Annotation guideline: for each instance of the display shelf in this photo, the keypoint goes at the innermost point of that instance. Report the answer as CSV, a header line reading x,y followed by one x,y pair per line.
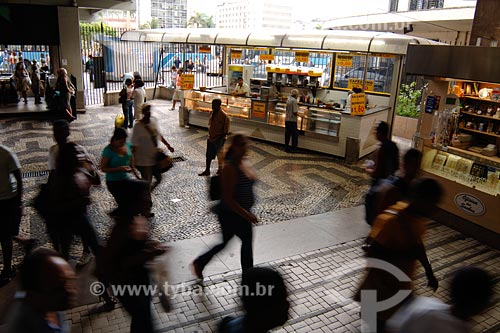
x,y
482,99
475,156
456,164
480,115
481,132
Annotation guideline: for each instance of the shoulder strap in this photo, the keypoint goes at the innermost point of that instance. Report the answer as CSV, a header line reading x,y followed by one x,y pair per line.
x,y
153,136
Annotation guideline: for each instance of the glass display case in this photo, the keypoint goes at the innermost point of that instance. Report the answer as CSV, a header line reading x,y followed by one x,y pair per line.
x,y
234,106
277,116
324,121
467,168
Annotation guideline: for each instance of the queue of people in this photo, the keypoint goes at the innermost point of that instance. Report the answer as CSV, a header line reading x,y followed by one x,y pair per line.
x,y
400,206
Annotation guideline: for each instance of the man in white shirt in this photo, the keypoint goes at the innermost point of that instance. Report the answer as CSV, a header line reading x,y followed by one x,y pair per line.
x,y
471,289
242,88
292,109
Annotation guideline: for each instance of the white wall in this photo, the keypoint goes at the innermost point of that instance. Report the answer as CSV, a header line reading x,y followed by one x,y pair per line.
x,y
70,52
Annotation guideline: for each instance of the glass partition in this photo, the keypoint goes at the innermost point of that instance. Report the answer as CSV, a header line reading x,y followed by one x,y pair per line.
x,y
317,62
350,70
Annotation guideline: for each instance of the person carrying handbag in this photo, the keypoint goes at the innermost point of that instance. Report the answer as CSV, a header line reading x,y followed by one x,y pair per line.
x,y
145,147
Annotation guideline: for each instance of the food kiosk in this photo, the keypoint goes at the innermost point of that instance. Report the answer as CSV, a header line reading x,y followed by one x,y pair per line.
x,y
459,130
323,65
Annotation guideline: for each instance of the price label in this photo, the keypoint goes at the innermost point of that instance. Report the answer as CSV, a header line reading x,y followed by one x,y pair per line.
x,y
187,81
358,104
344,61
236,54
266,57
358,83
382,55
259,110
302,56
204,49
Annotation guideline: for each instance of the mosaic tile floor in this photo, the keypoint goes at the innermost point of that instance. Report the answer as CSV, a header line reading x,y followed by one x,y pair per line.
x,y
289,186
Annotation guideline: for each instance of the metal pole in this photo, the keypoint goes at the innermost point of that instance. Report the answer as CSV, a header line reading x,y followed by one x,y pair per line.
x,y
160,60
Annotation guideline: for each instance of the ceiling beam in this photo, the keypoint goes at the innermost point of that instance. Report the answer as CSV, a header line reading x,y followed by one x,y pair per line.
x,y
94,4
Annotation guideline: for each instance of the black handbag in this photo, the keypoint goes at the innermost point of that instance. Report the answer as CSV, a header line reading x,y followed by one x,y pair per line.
x,y
215,188
163,162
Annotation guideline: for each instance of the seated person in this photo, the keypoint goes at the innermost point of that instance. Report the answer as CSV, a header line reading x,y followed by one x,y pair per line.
x,y
242,88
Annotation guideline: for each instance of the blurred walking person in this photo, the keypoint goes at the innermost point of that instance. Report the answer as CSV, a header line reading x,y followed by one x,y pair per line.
x,y
145,139
264,297
235,215
386,164
396,238
11,208
471,290
118,162
124,259
50,288
61,133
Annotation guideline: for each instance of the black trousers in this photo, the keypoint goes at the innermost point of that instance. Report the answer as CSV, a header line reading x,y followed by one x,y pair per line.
x,y
291,131
232,224
139,307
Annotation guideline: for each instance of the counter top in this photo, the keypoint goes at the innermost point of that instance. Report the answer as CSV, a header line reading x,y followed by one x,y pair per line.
x,y
368,112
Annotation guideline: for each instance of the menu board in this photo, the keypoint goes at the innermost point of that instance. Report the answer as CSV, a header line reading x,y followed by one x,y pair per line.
x,y
259,109
236,54
187,81
358,104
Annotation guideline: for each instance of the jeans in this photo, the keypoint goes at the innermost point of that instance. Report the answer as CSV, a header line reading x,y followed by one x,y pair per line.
x,y
232,224
127,108
291,131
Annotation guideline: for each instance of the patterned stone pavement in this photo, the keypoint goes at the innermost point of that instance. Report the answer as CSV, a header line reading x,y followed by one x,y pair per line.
x,y
289,186
320,283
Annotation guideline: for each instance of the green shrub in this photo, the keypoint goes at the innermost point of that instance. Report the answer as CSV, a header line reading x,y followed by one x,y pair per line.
x,y
409,100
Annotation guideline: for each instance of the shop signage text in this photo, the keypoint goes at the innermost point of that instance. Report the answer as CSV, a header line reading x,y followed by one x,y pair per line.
x,y
187,81
266,57
469,204
236,54
204,49
301,56
358,104
344,60
259,110
358,83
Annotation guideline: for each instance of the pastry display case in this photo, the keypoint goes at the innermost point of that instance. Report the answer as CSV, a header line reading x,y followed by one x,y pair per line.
x,y
324,121
277,117
234,106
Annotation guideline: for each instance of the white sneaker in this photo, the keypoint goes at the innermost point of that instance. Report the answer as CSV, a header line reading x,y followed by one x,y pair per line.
x,y
84,259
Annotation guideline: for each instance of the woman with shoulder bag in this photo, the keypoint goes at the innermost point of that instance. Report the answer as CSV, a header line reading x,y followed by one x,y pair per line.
x,y
127,103
118,162
235,216
145,146
66,90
